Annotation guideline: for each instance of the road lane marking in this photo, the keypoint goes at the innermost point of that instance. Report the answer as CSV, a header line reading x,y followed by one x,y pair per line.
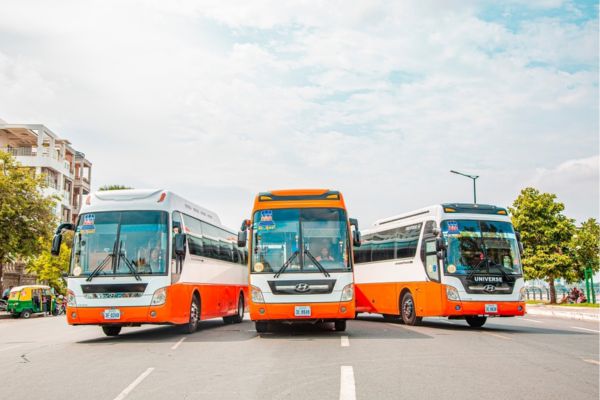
x,y
591,361
129,388
10,347
347,386
344,341
585,329
532,320
497,335
176,345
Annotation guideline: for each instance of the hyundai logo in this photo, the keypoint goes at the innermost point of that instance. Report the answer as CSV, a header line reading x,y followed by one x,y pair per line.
x,y
489,288
302,287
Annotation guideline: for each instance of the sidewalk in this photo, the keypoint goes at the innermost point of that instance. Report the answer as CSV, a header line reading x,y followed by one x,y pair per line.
x,y
578,313
4,315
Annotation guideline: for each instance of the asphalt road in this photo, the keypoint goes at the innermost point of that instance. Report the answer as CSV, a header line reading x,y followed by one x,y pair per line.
x,y
513,358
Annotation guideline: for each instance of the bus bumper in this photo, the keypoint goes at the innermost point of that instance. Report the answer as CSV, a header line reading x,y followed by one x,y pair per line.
x,y
286,312
129,315
503,308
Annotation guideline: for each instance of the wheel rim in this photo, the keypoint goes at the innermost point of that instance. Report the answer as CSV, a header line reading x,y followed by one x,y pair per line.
x,y
194,314
408,308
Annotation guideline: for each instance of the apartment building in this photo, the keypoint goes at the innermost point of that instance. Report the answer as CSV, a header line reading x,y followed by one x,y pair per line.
x,y
67,172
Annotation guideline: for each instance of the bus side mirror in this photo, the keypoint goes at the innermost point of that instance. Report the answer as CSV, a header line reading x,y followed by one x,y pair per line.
x,y
441,254
179,239
242,238
440,245
356,238
56,242
518,237
57,239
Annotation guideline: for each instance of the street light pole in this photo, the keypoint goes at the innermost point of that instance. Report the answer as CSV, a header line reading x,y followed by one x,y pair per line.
x,y
474,177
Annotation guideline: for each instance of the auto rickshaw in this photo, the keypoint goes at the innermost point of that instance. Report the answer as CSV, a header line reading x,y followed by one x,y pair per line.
x,y
23,301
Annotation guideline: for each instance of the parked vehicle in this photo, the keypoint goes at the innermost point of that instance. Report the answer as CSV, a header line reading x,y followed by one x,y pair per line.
x,y
24,301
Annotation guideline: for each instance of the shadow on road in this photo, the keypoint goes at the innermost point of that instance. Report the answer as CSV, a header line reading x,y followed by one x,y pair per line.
x,y
212,330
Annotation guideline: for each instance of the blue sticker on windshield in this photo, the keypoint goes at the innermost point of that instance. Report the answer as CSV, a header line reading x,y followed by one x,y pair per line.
x,y
266,220
453,227
88,223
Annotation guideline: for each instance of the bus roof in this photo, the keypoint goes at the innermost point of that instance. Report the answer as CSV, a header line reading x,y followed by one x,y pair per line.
x,y
446,208
299,198
146,199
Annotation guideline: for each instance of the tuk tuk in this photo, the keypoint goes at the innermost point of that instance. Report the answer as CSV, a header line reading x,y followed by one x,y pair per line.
x,y
23,301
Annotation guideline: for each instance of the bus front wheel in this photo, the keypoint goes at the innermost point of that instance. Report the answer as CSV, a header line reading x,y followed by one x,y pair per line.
x,y
476,321
192,324
340,325
408,310
261,326
111,330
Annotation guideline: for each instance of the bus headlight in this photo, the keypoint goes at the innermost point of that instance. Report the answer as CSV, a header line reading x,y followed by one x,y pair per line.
x,y
522,294
347,293
71,302
452,293
159,297
257,296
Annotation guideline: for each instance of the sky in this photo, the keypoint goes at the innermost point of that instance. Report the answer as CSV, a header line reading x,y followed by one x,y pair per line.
x,y
378,99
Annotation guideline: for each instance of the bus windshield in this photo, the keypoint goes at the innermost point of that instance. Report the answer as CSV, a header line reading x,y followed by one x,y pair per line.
x,y
481,247
120,243
301,240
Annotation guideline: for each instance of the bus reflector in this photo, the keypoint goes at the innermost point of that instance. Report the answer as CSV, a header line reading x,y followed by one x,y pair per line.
x,y
502,212
162,197
333,196
449,210
262,198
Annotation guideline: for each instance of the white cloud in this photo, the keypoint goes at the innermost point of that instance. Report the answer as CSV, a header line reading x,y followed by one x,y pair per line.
x,y
378,99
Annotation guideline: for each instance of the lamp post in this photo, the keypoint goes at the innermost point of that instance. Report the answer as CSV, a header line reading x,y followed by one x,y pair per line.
x,y
474,177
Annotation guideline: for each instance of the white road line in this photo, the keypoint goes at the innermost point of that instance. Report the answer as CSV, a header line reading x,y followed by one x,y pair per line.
x,y
129,388
585,329
347,386
591,361
344,341
532,320
10,347
497,335
176,345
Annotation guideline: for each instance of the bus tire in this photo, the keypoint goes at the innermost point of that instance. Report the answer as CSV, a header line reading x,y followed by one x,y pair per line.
x,y
26,314
239,316
111,330
408,310
475,321
261,326
340,325
192,325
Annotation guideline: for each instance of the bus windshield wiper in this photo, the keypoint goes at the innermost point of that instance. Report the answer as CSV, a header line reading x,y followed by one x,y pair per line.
x,y
127,263
318,264
97,270
286,264
477,268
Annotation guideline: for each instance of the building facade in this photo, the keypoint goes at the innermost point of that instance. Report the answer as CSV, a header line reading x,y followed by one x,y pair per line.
x,y
67,173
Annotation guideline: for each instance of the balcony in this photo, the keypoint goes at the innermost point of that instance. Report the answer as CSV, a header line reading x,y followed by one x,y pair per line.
x,y
29,157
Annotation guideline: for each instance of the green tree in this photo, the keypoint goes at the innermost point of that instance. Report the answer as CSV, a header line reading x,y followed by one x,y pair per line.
x,y
546,234
25,214
50,269
114,187
585,248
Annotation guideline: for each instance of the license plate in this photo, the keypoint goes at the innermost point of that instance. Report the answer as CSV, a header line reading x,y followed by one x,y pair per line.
x,y
491,308
302,311
112,314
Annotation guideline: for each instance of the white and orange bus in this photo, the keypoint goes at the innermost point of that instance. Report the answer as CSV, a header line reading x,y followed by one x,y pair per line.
x,y
461,261
300,260
152,257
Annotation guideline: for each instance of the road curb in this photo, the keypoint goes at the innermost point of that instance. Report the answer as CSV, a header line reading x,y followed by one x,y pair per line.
x,y
564,314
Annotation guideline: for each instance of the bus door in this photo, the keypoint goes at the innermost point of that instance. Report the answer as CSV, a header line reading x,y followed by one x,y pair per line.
x,y
429,299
